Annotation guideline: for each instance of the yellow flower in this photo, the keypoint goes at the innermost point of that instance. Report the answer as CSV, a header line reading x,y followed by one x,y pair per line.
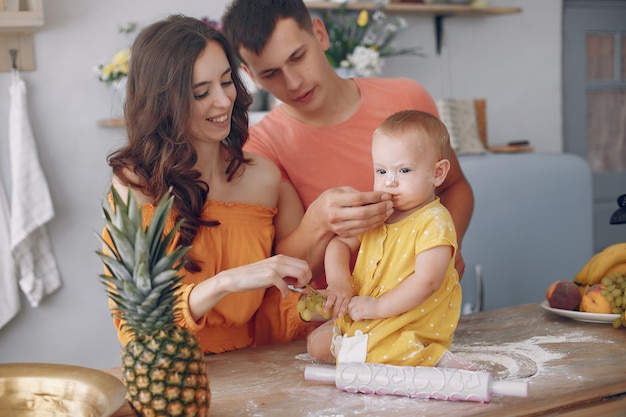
x,y
350,29
121,57
107,70
117,68
363,18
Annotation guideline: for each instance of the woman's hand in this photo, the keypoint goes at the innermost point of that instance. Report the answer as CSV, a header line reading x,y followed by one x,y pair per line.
x,y
278,271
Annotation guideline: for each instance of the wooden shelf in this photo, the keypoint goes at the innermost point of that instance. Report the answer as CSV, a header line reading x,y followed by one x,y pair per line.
x,y
22,21
16,33
438,11
111,123
417,8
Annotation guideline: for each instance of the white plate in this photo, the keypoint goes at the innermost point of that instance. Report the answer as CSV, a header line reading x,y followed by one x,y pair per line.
x,y
580,316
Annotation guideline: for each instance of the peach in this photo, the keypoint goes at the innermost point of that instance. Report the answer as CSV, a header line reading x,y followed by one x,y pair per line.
x,y
583,289
594,302
563,294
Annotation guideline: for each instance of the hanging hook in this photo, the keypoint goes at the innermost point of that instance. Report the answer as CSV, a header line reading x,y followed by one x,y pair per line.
x,y
13,53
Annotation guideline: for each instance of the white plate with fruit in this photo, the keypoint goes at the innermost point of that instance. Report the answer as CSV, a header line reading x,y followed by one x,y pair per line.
x,y
597,294
581,316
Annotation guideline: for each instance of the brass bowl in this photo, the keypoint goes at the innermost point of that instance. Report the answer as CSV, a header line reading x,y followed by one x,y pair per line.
x,y
42,389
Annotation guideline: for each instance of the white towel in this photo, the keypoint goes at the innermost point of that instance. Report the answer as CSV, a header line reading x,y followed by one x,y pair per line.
x,y
9,293
31,205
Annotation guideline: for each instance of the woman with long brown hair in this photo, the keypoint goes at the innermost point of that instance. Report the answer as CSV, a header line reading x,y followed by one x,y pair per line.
x,y
186,117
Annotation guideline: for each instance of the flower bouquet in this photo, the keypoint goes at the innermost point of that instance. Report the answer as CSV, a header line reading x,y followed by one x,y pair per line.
x,y
361,39
116,69
114,72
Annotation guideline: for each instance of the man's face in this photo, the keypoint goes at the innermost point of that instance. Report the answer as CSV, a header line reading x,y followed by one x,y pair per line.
x,y
293,64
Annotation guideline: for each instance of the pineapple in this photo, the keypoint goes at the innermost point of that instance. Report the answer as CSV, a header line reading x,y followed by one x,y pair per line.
x,y
163,365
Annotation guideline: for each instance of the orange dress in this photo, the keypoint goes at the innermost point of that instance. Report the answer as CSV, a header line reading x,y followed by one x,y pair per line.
x,y
245,235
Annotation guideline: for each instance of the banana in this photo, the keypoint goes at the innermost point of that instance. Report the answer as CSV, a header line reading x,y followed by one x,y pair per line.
x,y
581,276
615,268
610,256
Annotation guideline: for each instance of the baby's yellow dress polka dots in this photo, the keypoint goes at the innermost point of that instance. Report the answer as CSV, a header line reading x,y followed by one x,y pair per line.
x,y
420,336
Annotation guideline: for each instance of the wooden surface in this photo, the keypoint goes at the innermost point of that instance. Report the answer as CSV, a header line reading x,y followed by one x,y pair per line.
x,y
435,9
111,123
573,369
509,148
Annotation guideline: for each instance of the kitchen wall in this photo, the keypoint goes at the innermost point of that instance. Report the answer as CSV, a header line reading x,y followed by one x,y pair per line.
x,y
514,61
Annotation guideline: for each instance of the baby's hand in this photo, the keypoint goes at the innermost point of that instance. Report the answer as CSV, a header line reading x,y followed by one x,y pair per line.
x,y
362,308
337,298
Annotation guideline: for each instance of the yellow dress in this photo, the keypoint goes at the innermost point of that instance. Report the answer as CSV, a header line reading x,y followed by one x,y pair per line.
x,y
386,257
245,235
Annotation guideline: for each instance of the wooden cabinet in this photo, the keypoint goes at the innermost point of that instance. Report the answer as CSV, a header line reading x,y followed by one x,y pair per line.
x,y
16,33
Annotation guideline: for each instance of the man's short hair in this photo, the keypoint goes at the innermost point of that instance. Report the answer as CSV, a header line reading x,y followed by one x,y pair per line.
x,y
249,24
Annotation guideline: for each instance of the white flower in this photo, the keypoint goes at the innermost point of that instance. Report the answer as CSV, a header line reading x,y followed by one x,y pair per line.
x,y
366,61
350,29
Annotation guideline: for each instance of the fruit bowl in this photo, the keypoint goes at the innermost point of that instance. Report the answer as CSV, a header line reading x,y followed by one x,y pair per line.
x,y
29,389
579,315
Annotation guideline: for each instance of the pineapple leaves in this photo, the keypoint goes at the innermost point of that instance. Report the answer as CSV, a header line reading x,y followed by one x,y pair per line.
x,y
171,261
122,216
157,225
115,267
141,278
123,246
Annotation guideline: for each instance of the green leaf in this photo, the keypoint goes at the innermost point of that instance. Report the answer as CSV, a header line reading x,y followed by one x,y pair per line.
x,y
168,276
157,226
141,276
128,287
170,261
115,267
124,247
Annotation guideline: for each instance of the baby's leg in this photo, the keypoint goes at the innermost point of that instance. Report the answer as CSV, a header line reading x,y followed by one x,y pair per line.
x,y
319,341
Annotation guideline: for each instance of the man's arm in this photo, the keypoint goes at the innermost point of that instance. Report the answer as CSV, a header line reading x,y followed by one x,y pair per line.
x,y
298,233
457,195
340,211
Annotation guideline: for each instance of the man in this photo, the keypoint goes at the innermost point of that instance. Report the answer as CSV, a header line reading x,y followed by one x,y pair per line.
x,y
320,134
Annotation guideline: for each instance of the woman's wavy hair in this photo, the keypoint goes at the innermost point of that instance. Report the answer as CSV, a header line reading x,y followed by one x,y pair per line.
x,y
157,109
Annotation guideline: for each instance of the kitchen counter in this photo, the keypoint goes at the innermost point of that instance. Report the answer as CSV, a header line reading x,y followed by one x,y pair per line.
x,y
573,369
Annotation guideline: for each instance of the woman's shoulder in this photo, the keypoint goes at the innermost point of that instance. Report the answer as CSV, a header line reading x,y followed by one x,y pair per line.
x,y
122,188
261,181
263,166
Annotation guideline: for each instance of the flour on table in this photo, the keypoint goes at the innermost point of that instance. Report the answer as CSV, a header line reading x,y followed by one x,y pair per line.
x,y
305,357
519,359
511,360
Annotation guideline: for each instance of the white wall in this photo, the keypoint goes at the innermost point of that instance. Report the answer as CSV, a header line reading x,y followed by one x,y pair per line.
x,y
512,61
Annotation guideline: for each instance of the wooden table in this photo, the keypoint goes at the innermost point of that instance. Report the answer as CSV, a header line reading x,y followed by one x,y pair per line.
x,y
573,369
